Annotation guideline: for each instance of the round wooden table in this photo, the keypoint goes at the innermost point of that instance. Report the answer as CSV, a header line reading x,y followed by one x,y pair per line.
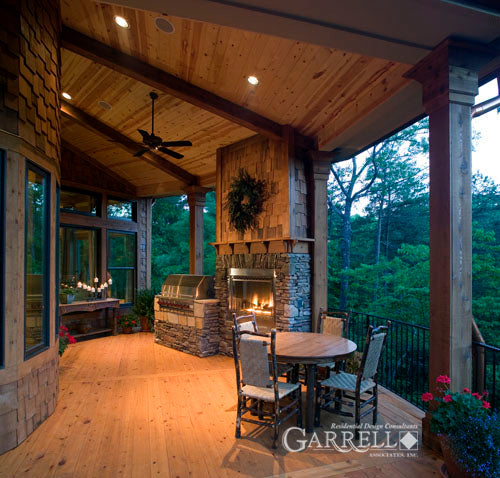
x,y
311,349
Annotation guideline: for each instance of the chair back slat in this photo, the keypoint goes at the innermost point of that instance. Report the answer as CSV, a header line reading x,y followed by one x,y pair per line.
x,y
333,323
373,353
254,362
245,323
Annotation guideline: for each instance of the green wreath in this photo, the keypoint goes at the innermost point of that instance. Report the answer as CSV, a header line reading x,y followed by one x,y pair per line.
x,y
245,201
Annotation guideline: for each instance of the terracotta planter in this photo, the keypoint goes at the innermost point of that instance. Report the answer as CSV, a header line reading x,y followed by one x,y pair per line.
x,y
145,324
453,468
126,330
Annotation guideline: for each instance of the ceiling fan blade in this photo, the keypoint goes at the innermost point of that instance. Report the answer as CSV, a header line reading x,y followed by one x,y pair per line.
x,y
141,152
145,135
170,152
177,143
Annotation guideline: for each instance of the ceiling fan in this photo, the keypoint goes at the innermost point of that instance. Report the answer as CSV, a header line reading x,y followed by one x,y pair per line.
x,y
152,142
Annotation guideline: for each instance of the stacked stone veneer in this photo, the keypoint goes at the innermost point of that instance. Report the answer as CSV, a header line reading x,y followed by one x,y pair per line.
x,y
27,402
292,288
195,332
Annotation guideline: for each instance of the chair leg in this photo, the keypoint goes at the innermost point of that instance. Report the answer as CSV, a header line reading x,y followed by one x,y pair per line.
x,y
260,409
299,405
238,419
276,426
357,413
375,405
317,411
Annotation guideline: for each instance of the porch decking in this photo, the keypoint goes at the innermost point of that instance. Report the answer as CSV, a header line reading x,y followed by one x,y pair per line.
x,y
130,407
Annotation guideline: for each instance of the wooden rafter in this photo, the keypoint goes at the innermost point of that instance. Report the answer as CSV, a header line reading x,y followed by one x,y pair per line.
x,y
161,80
123,141
128,187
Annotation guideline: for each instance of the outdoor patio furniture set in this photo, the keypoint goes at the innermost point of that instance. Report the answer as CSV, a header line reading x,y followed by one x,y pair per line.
x,y
271,368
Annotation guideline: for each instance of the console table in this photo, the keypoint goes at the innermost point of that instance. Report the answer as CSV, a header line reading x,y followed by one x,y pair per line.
x,y
91,306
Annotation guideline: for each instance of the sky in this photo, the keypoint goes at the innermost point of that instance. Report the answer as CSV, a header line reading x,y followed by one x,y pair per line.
x,y
486,157
486,144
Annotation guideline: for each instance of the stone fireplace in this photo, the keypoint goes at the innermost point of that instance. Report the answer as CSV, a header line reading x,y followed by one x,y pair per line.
x,y
268,269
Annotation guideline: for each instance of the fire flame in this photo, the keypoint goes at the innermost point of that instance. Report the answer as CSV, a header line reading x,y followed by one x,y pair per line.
x,y
261,306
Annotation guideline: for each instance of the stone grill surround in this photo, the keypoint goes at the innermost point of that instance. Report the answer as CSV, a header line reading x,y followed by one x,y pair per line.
x,y
194,332
292,290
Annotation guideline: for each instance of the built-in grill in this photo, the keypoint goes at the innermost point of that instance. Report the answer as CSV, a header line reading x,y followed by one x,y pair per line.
x,y
179,291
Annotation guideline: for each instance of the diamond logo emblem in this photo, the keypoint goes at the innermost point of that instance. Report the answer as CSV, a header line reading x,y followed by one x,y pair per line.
x,y
408,440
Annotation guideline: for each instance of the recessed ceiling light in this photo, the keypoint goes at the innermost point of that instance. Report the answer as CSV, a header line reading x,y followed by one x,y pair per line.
x,y
164,25
66,95
104,105
253,80
121,22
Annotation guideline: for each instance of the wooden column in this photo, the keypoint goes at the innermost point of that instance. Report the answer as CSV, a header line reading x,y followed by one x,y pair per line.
x,y
319,170
196,202
449,79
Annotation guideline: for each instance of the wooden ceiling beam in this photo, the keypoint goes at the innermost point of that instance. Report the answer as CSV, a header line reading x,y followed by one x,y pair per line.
x,y
126,143
161,80
128,187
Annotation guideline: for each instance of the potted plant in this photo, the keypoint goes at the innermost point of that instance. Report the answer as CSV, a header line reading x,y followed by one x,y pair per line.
x,y
143,308
126,323
67,294
456,416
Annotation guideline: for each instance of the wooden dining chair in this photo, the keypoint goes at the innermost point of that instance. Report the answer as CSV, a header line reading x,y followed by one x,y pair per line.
x,y
361,389
248,323
257,382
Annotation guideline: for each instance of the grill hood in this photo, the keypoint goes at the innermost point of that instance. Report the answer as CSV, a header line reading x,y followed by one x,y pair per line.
x,y
188,286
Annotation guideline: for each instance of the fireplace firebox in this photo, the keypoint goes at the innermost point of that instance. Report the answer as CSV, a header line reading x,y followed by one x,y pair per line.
x,y
253,290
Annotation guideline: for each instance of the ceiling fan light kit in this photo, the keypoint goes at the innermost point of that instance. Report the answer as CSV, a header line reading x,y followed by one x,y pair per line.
x,y
156,143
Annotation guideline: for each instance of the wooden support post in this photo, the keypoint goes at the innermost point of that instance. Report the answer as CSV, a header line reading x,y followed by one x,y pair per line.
x,y
450,81
196,202
319,170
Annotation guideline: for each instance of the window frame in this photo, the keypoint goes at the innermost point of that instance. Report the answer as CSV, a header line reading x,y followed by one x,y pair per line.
x,y
134,268
125,219
3,171
86,193
45,344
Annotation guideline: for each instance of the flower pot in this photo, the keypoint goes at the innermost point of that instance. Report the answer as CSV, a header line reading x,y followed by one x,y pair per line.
x,y
66,298
145,324
453,468
126,330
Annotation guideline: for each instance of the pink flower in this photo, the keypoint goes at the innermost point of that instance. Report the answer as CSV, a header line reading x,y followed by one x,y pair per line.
x,y
486,404
476,395
466,390
447,399
427,397
486,393
71,339
443,379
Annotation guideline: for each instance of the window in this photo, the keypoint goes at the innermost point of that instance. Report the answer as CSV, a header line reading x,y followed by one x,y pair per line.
x,y
80,202
121,265
119,209
58,272
78,255
2,255
37,259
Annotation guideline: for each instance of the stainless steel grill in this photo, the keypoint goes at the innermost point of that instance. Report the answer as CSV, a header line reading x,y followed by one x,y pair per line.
x,y
179,291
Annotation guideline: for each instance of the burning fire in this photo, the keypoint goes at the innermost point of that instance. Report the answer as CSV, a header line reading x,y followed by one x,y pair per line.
x,y
261,306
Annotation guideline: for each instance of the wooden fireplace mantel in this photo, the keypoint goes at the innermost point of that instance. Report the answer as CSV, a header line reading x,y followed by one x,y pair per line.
x,y
264,246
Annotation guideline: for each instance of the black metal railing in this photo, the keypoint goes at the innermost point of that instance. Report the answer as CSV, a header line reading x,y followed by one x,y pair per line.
x,y
486,371
404,368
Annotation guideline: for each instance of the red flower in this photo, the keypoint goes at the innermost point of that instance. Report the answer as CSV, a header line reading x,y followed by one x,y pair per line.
x,y
427,397
486,393
63,328
133,322
61,333
466,390
71,339
126,323
486,404
476,395
443,379
447,399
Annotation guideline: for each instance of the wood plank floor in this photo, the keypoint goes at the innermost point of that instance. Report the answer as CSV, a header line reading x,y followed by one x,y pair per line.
x,y
131,408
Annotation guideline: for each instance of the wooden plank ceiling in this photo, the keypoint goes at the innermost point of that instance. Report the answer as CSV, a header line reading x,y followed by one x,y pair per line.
x,y
319,91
